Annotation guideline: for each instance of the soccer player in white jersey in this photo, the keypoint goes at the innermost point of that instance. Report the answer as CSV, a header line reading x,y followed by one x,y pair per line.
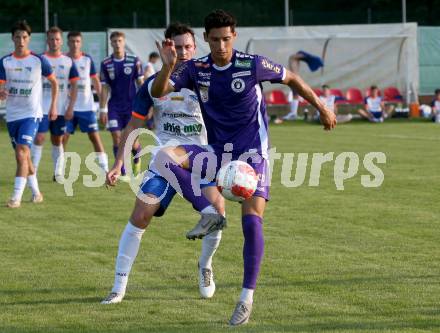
x,y
121,74
84,113
20,84
228,84
179,119
149,67
374,107
330,101
67,76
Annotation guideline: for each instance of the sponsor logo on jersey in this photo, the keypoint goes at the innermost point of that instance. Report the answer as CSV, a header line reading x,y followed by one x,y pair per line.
x,y
270,66
238,85
204,94
192,128
243,55
177,98
204,75
204,83
243,63
29,69
170,127
244,73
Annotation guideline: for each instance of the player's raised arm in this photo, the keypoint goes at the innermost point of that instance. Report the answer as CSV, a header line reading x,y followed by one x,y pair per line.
x,y
161,85
328,118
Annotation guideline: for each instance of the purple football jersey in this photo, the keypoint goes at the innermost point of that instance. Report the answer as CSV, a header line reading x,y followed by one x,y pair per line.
x,y
121,76
231,99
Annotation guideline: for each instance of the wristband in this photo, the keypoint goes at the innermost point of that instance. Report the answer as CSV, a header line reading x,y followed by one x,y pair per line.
x,y
103,110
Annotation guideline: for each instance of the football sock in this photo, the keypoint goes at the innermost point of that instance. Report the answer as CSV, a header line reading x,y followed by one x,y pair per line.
x,y
19,185
102,160
209,210
36,152
209,245
134,152
58,159
172,173
253,249
33,184
293,113
127,252
247,295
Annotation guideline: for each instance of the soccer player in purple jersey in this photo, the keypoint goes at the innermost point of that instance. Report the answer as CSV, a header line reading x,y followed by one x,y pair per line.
x,y
228,84
120,72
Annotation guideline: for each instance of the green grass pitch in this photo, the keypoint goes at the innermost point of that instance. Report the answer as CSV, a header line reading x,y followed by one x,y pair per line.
x,y
358,260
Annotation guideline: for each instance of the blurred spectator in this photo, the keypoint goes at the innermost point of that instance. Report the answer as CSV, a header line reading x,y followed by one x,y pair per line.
x,y
329,100
375,110
149,67
435,106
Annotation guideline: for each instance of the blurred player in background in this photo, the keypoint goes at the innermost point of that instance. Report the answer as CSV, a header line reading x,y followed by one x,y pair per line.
x,y
149,67
375,110
228,84
21,85
67,76
120,72
84,114
435,107
330,101
176,110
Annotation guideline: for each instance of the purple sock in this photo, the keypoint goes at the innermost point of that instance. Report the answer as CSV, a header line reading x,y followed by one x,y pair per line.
x,y
115,153
253,249
134,152
179,177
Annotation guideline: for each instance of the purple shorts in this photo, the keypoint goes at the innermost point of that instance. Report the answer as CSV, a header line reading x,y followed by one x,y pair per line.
x,y
208,161
117,121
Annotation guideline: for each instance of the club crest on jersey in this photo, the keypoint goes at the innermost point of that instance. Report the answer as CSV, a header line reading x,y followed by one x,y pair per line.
x,y
204,94
238,85
128,70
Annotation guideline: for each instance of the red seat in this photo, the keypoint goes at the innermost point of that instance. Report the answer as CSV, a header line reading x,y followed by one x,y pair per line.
x,y
339,96
276,97
354,96
392,94
317,91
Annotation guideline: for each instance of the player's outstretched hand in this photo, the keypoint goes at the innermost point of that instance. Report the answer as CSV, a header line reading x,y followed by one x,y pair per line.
x,y
328,119
167,51
112,176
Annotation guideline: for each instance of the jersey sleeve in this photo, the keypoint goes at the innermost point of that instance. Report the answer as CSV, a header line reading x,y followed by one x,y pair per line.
x,y
2,72
104,74
142,102
92,68
73,73
267,70
182,77
138,72
46,68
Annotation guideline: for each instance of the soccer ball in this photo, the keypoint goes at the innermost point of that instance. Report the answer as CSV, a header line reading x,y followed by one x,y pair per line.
x,y
237,181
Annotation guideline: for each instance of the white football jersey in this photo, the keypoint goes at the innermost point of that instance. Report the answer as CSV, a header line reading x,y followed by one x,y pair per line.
x,y
329,101
374,104
436,106
23,82
86,69
177,116
65,72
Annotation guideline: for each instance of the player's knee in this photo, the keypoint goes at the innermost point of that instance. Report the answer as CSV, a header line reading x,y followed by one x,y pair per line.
x,y
39,139
140,218
21,153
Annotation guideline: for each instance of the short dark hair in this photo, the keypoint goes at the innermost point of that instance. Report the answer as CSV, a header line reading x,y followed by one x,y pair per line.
x,y
153,55
177,28
373,87
219,19
21,25
74,34
54,30
437,91
325,86
117,34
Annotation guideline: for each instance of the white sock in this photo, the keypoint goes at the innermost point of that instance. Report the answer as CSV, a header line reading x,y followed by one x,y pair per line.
x,y
127,252
103,161
209,210
19,185
33,184
293,113
58,159
36,152
247,295
209,245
